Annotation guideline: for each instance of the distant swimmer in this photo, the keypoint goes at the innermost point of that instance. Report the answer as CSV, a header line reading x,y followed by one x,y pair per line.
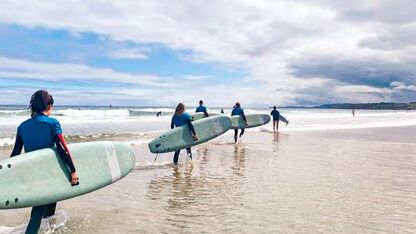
x,y
353,112
237,110
276,114
40,132
202,108
111,106
178,119
159,113
222,111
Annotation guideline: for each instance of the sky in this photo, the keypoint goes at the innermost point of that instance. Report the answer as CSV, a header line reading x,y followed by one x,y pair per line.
x,y
161,52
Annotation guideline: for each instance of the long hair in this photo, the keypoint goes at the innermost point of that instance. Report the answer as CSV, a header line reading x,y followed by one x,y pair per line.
x,y
180,108
39,102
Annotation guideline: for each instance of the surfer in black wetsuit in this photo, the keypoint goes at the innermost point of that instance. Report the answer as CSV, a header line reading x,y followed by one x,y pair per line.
x,y
178,119
276,114
237,110
38,132
159,113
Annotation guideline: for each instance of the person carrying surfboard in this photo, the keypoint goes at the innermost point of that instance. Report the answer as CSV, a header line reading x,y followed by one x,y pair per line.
x,y
237,110
276,114
202,108
178,119
38,132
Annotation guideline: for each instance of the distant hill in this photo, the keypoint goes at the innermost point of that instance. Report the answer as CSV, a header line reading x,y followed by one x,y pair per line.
x,y
370,106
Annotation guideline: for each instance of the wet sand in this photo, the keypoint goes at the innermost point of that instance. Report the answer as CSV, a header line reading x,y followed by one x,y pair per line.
x,y
340,181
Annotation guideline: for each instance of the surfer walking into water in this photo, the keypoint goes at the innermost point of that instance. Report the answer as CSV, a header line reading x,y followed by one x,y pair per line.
x,y
159,113
275,114
237,110
39,132
178,119
202,108
353,112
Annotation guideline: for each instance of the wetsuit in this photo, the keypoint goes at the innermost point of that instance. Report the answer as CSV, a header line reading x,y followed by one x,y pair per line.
x,y
177,121
37,133
238,111
203,109
275,115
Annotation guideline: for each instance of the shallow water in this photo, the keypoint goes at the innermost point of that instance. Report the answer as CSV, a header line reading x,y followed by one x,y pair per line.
x,y
327,182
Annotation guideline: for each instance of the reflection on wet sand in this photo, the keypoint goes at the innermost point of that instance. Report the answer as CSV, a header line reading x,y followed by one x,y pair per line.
x,y
239,159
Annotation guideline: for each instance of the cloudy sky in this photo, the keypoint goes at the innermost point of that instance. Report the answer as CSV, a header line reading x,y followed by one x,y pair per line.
x,y
161,52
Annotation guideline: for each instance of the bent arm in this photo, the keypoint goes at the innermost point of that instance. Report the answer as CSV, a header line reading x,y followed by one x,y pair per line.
x,y
244,117
64,152
206,113
191,127
18,146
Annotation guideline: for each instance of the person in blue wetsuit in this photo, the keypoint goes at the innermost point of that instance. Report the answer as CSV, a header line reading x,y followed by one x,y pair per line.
x,y
178,119
237,110
39,132
202,108
275,113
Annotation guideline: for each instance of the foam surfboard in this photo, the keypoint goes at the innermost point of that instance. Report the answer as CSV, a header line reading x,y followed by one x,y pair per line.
x,y
40,177
200,115
283,119
253,120
181,137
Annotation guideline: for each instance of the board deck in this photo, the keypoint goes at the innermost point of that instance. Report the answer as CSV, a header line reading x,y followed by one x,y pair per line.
x,y
200,115
283,119
181,137
253,120
40,177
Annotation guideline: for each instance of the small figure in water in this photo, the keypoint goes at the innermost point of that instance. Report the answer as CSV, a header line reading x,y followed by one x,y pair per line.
x,y
111,106
159,113
237,110
178,119
222,111
202,108
275,113
39,132
353,112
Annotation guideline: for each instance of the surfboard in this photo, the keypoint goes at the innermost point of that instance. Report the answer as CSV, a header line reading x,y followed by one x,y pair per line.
x,y
283,119
40,177
253,120
181,137
200,115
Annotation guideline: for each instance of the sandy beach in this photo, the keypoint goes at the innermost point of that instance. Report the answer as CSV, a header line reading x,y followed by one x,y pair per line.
x,y
336,181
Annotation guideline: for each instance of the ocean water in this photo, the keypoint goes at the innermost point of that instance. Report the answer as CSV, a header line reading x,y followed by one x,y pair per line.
x,y
326,172
138,125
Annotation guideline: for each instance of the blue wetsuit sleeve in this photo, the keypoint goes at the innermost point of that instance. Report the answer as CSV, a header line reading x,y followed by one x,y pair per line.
x,y
56,128
18,146
191,127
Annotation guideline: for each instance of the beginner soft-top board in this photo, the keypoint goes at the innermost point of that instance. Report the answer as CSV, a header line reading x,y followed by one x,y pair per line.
x,y
200,115
181,137
40,177
253,120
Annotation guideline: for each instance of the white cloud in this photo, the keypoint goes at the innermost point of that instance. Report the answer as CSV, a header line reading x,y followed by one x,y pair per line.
x,y
299,51
128,54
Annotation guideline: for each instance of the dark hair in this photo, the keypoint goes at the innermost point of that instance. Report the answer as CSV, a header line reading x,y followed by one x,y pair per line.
x,y
237,104
39,102
180,108
201,102
274,107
